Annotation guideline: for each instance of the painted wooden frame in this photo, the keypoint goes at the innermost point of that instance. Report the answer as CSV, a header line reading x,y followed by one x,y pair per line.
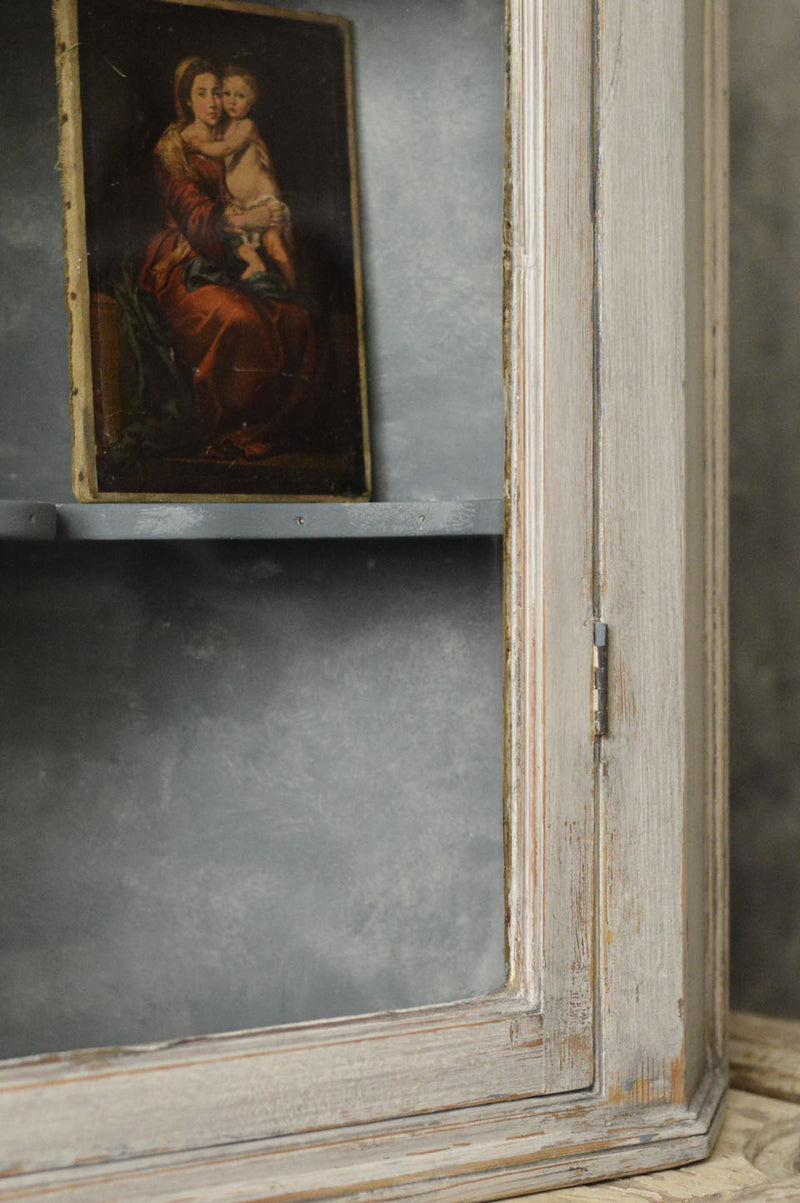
x,y
605,1054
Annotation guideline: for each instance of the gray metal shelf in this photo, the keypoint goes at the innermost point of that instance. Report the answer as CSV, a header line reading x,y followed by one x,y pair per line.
x,y
249,520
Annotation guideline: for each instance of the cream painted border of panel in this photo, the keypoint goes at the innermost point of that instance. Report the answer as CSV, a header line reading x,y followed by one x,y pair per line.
x,y
605,1054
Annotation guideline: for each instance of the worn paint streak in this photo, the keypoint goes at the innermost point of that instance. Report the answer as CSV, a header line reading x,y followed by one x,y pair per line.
x,y
678,1078
586,1128
653,1085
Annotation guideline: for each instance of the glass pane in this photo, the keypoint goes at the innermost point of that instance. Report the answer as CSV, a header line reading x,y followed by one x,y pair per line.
x,y
247,784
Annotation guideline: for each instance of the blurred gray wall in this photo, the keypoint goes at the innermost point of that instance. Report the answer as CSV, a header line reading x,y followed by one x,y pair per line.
x,y
765,505
247,784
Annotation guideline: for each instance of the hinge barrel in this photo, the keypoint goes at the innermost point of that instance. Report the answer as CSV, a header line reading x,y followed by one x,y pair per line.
x,y
600,679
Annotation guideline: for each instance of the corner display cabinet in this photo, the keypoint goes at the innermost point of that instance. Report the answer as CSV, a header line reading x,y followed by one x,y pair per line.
x,y
603,1052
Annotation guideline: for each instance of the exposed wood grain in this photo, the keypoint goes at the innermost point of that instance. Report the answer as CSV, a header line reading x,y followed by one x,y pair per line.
x,y
549,534
644,408
765,1055
656,63
603,1058
642,263
264,1085
754,1160
481,1154
717,212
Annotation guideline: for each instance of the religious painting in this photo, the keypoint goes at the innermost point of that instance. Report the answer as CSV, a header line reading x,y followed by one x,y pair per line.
x,y
213,266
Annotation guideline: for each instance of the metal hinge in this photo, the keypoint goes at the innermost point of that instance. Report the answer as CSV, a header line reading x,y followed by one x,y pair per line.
x,y
600,679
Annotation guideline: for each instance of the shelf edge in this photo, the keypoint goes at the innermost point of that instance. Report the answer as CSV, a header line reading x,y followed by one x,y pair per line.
x,y
278,520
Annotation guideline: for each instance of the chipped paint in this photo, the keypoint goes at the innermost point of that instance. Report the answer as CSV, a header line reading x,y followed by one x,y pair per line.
x,y
654,1084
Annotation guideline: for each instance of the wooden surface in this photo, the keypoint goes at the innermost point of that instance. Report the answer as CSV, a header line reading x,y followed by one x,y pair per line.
x,y
551,810
758,1153
646,403
605,1055
754,1162
765,1056
662,406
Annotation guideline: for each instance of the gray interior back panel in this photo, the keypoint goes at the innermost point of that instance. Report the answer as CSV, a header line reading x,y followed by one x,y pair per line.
x,y
259,783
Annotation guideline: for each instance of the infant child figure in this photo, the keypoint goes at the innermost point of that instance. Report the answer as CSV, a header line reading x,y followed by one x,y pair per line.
x,y
249,178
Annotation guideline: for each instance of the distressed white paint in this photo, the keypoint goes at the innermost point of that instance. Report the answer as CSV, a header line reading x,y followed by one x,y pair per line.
x,y
756,1157
580,1070
755,1161
549,539
659,246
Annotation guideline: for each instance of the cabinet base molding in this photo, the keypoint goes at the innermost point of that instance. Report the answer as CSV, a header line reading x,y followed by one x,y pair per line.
x,y
755,1161
491,1152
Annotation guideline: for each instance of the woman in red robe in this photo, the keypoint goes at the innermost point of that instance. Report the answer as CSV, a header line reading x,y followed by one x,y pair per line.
x,y
249,345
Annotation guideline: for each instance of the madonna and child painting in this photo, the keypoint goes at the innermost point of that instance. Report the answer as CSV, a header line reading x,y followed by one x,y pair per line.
x,y
213,269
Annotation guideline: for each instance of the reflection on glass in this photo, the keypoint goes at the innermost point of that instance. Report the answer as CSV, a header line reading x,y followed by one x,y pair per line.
x,y
247,785
262,783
